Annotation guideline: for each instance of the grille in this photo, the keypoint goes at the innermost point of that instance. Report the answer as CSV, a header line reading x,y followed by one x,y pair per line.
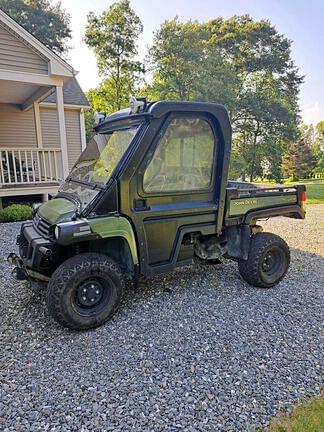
x,y
41,226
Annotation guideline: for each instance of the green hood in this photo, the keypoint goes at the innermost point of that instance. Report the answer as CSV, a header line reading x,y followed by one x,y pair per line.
x,y
57,210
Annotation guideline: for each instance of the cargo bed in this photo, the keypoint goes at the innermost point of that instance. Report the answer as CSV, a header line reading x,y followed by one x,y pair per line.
x,y
253,203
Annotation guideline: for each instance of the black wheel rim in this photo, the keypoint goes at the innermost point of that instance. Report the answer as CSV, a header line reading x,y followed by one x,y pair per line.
x,y
273,264
92,295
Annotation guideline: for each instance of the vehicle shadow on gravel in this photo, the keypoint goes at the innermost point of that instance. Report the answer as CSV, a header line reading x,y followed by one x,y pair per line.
x,y
219,283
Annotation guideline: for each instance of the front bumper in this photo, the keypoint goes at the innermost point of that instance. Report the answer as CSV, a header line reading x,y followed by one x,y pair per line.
x,y
20,272
36,254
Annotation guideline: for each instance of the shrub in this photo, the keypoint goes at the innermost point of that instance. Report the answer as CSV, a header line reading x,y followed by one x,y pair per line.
x,y
16,212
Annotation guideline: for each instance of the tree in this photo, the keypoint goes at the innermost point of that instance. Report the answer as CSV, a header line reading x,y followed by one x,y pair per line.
x,y
243,64
299,161
267,101
103,98
318,149
113,37
186,67
45,20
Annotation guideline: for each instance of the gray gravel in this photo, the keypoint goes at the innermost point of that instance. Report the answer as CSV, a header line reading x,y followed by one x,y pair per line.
x,y
196,350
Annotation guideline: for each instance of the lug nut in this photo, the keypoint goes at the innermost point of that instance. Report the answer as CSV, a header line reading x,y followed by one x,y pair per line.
x,y
84,298
97,291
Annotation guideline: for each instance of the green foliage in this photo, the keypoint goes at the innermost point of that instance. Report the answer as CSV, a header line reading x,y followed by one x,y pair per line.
x,y
305,157
16,212
185,66
89,123
113,37
318,149
243,64
299,161
103,98
45,20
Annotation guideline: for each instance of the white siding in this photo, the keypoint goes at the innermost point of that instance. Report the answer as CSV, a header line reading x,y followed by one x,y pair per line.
x,y
17,56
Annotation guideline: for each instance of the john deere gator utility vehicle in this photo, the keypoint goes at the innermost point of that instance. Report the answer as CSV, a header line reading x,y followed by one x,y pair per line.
x,y
148,194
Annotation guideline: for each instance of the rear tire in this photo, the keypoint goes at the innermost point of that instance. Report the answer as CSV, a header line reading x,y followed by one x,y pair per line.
x,y
85,291
268,261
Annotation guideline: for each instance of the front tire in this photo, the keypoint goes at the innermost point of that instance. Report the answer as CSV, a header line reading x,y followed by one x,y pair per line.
x,y
268,261
85,291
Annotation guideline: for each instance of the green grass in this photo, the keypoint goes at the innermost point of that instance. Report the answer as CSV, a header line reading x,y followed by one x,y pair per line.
x,y
315,193
314,189
308,417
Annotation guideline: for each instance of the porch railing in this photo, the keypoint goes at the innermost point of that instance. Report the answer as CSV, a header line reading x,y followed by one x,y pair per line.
x,y
20,166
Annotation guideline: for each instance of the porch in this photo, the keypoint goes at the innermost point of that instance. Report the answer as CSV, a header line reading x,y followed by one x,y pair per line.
x,y
26,171
30,163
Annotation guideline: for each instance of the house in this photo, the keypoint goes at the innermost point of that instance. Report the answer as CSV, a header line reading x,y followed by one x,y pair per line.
x,y
42,129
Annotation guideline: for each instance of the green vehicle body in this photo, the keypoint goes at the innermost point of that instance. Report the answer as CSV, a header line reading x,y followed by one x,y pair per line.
x,y
147,233
60,211
242,206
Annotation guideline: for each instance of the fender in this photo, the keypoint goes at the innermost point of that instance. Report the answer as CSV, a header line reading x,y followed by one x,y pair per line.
x,y
115,226
293,211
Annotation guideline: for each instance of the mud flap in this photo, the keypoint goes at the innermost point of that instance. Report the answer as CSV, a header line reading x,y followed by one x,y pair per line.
x,y
238,241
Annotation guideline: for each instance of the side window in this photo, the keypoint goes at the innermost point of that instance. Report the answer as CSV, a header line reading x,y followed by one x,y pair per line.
x,y
183,159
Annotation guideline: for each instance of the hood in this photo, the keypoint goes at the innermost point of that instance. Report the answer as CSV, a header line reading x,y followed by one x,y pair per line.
x,y
57,210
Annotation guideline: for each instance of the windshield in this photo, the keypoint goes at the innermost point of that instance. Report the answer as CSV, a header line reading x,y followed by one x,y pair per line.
x,y
96,164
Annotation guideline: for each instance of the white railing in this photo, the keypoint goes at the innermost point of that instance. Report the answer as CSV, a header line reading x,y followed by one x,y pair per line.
x,y
20,166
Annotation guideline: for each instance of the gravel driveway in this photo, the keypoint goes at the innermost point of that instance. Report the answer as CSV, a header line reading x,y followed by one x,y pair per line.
x,y
196,350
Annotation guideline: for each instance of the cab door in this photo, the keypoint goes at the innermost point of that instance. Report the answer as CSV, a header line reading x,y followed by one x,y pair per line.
x,y
174,193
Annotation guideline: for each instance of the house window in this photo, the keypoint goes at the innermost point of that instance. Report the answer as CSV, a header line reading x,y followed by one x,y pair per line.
x,y
183,159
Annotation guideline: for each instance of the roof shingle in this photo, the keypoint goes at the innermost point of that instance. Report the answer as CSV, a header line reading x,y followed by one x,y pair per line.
x,y
72,94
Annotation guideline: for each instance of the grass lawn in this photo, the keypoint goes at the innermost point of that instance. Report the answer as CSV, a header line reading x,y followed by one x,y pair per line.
x,y
308,417
315,193
314,188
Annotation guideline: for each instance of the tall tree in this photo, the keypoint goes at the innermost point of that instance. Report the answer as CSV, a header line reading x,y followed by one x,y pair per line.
x,y
267,100
239,62
299,161
186,67
45,20
315,139
113,37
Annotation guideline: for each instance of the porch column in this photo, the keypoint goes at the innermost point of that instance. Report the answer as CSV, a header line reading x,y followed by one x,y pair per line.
x,y
62,131
82,130
38,126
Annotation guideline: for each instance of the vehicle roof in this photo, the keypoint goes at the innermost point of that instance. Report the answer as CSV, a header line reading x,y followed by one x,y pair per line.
x,y
161,108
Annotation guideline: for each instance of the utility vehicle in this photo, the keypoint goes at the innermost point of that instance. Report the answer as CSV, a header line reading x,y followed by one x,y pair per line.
x,y
148,194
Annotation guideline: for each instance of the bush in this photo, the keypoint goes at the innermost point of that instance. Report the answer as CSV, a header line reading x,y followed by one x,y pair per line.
x,y
16,212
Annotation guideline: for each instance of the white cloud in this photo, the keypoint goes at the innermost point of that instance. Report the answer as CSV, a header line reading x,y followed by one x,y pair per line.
x,y
313,114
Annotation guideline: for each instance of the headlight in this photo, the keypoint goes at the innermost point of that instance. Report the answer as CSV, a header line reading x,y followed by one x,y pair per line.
x,y
36,207
56,232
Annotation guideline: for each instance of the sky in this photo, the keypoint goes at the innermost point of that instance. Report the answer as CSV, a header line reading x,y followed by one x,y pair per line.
x,y
302,21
